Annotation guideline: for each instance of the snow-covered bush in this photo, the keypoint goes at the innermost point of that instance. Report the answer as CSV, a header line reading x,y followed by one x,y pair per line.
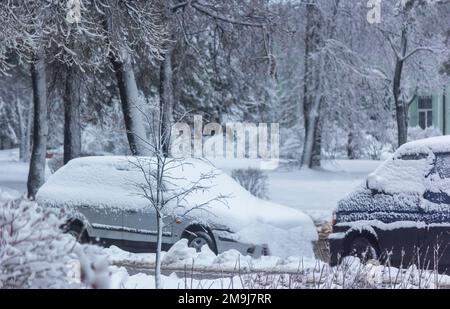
x,y
35,253
291,142
416,133
108,139
253,180
55,162
335,144
374,149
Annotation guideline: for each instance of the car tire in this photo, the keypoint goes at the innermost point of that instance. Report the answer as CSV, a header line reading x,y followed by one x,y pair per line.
x,y
197,239
78,231
364,249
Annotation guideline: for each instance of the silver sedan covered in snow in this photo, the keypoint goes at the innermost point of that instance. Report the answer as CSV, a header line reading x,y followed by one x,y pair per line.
x,y
104,203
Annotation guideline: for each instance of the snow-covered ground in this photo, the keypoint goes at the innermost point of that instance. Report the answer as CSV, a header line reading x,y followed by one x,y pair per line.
x,y
315,192
13,172
234,271
186,268
227,266
180,256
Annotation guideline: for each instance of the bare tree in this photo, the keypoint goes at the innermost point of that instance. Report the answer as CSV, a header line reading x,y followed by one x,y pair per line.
x,y
131,26
312,97
36,175
411,31
165,188
26,41
175,14
166,95
72,121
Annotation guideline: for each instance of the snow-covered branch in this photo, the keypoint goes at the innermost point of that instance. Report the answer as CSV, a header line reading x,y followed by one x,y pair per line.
x,y
404,58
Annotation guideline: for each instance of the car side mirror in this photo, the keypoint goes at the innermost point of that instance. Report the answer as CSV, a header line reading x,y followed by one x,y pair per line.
x,y
371,184
371,178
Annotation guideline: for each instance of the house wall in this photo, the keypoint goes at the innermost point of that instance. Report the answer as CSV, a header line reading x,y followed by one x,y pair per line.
x,y
447,104
413,114
438,112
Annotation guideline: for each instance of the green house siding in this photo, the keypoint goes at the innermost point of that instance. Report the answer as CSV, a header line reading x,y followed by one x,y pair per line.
x,y
440,112
447,111
414,114
437,112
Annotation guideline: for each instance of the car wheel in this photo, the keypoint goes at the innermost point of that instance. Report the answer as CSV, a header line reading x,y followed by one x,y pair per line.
x,y
78,231
198,239
363,249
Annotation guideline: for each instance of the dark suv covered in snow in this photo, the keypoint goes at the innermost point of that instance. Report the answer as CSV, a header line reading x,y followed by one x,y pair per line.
x,y
402,213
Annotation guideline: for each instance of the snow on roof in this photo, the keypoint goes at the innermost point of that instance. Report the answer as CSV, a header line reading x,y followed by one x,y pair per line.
x,y
436,144
110,183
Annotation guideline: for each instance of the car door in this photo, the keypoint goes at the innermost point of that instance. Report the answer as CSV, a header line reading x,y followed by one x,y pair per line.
x,y
435,237
400,209
140,229
400,238
106,223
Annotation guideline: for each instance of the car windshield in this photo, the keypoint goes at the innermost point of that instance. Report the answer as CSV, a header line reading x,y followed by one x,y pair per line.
x,y
443,165
439,180
415,156
402,174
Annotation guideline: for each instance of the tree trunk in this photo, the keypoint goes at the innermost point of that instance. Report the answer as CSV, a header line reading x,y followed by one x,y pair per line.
x,y
24,115
314,72
350,147
317,145
160,225
400,106
36,175
27,138
21,124
72,125
308,142
402,122
166,100
131,107
311,88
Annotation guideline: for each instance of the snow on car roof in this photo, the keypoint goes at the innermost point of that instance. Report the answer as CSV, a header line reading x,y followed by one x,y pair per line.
x,y
109,182
435,144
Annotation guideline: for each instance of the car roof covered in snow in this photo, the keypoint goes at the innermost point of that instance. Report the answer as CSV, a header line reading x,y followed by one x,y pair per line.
x,y
436,144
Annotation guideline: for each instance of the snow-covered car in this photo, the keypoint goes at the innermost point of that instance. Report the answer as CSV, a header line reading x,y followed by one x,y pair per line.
x,y
403,211
104,202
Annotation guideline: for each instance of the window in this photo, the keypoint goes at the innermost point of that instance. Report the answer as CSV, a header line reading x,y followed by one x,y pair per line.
x,y
425,111
415,156
443,165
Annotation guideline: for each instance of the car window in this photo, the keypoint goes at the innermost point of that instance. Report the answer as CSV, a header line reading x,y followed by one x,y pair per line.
x,y
415,156
443,165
